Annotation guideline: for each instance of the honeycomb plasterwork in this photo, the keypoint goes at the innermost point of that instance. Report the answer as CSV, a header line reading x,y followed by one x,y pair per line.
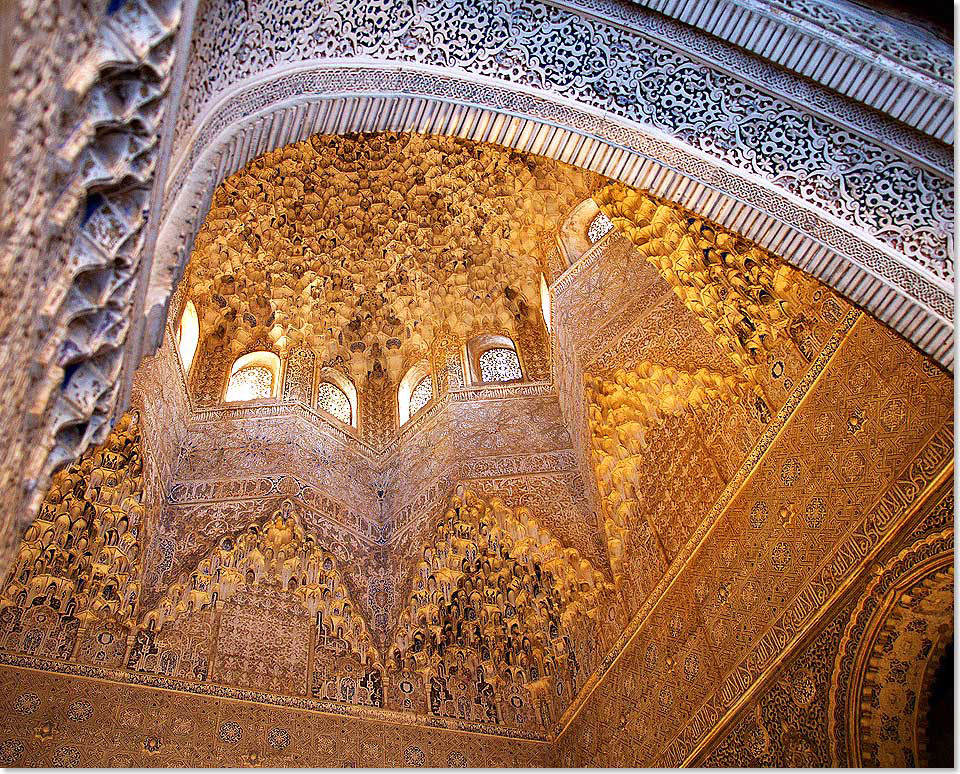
x,y
498,604
742,295
473,560
206,627
514,64
275,552
80,561
88,93
377,246
769,540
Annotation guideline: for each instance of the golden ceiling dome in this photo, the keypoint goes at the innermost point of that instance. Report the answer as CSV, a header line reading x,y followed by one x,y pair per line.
x,y
355,245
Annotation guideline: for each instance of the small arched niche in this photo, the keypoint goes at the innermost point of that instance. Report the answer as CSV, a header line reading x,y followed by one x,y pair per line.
x,y
493,359
188,335
584,227
254,376
415,391
337,396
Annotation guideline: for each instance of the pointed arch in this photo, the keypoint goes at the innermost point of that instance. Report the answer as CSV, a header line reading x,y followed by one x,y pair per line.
x,y
337,396
279,552
493,358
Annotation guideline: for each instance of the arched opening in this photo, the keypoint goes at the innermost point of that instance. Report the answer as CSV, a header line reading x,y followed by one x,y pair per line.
x,y
938,725
415,391
584,227
545,301
337,397
188,335
599,227
254,376
493,359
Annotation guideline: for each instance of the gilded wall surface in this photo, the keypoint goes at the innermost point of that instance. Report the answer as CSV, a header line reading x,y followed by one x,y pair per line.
x,y
56,720
807,713
778,549
624,557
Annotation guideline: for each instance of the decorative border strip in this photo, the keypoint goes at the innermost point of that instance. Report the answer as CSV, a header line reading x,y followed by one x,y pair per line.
x,y
837,62
909,489
160,682
352,522
283,410
747,468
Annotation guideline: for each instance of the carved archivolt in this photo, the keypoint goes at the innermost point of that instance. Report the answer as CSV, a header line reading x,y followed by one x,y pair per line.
x,y
80,559
86,92
280,553
889,649
499,603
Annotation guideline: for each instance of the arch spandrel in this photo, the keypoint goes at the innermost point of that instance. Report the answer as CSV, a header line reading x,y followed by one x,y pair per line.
x,y
277,554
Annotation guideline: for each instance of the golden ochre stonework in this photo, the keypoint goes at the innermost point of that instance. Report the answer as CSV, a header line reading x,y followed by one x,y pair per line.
x,y
708,523
743,295
79,562
373,252
54,720
503,621
775,556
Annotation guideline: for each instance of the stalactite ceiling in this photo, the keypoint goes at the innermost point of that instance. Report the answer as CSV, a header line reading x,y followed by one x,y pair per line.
x,y
364,247
574,561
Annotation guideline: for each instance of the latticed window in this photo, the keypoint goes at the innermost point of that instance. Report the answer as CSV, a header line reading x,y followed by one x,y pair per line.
x,y
599,227
421,394
250,383
333,400
500,364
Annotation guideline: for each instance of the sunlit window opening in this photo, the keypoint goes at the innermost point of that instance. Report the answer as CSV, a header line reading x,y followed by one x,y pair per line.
x,y
421,395
254,376
599,227
500,364
334,401
250,383
188,335
337,396
492,358
415,390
